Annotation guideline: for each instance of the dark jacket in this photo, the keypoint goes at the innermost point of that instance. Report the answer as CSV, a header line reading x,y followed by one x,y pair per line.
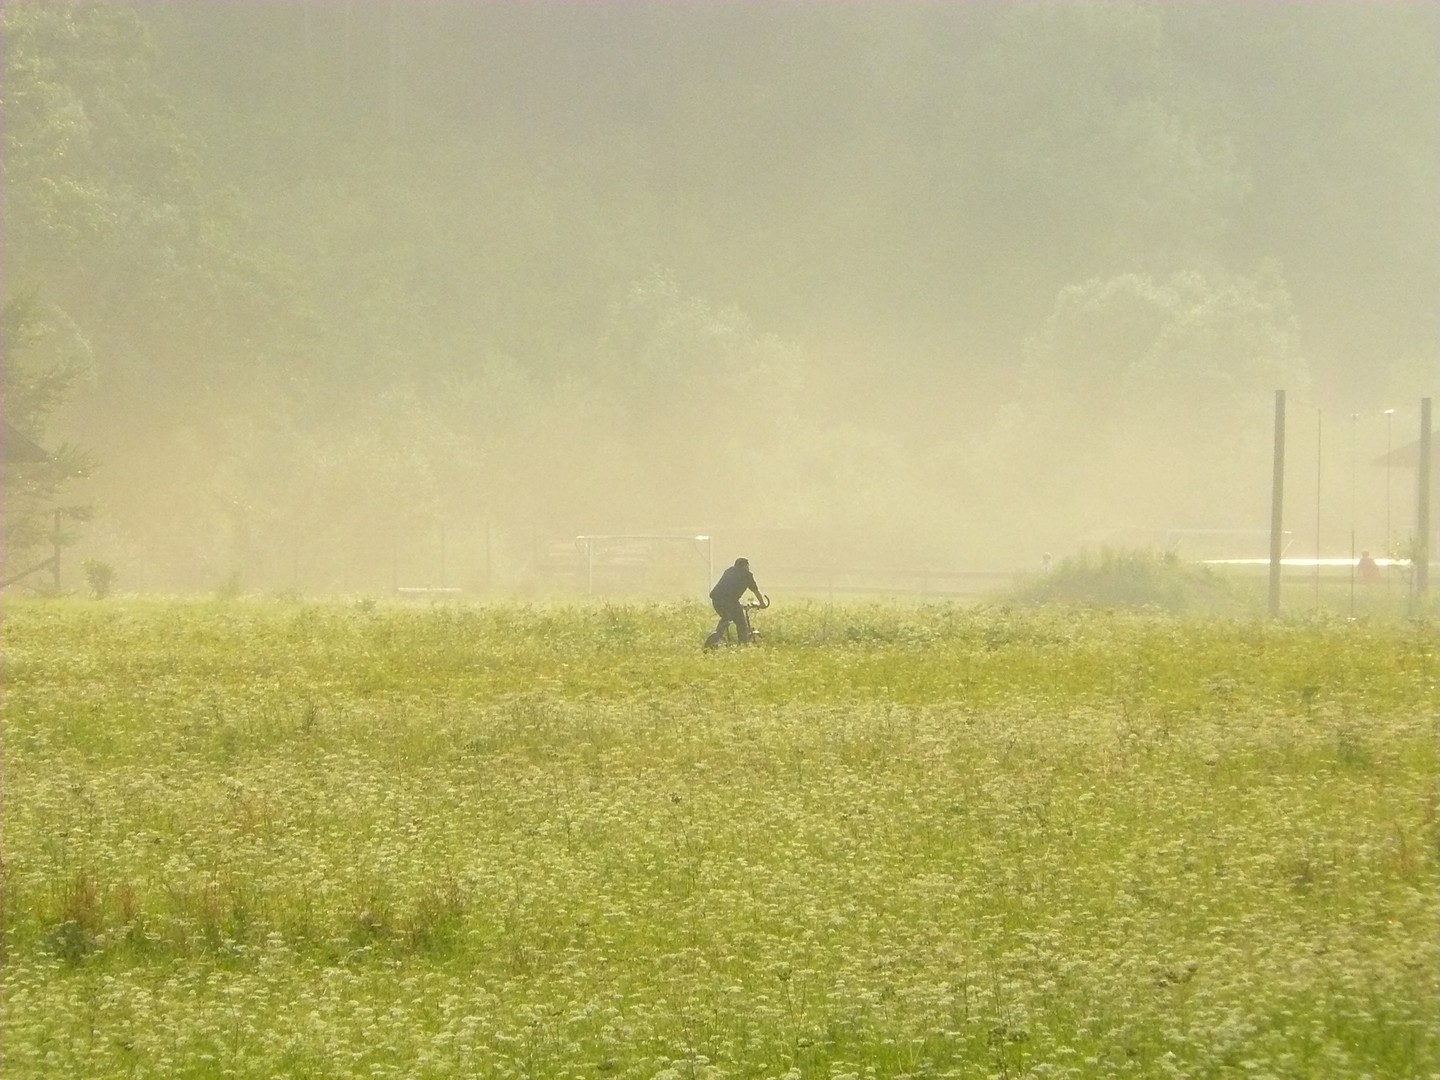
x,y
732,585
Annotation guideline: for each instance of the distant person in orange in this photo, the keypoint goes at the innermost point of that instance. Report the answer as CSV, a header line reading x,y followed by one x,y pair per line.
x,y
1368,569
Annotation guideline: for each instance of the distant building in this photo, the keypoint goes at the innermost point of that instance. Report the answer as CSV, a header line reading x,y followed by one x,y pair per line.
x,y
1408,457
16,447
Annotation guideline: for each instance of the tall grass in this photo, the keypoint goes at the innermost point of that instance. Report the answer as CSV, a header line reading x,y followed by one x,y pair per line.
x,y
1130,578
251,839
1143,579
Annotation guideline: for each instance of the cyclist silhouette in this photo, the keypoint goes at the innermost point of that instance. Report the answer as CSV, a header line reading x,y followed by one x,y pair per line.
x,y
725,598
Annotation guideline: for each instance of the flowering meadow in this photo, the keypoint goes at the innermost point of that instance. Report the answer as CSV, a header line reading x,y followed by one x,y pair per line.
x,y
262,839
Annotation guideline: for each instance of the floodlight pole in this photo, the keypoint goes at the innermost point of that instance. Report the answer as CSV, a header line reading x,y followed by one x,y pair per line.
x,y
1277,502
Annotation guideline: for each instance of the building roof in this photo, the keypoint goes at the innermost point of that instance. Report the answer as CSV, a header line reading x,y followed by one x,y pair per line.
x,y
16,446
1408,456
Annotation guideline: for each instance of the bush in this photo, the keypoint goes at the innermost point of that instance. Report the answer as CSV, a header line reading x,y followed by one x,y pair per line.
x,y
231,587
100,576
1128,578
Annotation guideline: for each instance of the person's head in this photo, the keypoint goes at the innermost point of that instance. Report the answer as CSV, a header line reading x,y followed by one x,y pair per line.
x,y
743,564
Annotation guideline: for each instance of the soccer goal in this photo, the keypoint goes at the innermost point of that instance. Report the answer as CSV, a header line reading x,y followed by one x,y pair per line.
x,y
647,562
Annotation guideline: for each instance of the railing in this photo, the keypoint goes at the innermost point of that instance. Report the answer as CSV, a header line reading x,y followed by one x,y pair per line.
x,y
867,581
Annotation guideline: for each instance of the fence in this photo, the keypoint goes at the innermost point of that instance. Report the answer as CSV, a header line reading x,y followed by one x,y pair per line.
x,y
831,582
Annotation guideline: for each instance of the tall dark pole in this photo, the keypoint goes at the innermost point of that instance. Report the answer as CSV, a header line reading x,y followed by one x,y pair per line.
x,y
489,568
1354,423
1389,450
1277,502
56,540
1319,493
1422,509
394,82
349,52
309,35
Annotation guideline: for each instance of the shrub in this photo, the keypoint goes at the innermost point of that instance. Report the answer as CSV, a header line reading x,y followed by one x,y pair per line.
x,y
232,587
100,576
1128,578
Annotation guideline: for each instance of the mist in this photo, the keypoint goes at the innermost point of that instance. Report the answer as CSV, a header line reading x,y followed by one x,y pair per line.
x,y
357,297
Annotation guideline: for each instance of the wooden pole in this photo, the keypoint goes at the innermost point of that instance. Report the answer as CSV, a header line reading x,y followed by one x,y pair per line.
x,y
349,38
1354,424
1277,502
1319,494
309,35
55,539
394,66
1422,508
1389,468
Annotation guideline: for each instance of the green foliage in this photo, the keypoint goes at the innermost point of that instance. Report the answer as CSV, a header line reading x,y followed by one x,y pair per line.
x,y
395,253
100,576
231,587
1132,383
668,358
507,841
38,376
1135,579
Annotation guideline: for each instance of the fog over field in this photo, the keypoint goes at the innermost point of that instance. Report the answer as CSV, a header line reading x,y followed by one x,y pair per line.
x,y
340,296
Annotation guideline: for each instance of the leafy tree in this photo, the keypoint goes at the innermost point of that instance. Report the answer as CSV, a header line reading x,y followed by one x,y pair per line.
x,y
707,402
109,217
334,262
37,377
1149,401
1331,111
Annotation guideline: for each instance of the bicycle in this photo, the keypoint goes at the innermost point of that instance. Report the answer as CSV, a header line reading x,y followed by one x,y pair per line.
x,y
721,637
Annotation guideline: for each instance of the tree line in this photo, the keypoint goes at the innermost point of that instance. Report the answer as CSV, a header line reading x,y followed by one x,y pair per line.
x,y
939,282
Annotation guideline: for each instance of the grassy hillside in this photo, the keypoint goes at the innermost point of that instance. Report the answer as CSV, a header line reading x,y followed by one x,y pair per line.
x,y
260,839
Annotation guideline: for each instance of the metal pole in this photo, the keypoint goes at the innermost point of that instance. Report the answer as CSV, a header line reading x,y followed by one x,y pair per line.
x,y
1277,502
1422,509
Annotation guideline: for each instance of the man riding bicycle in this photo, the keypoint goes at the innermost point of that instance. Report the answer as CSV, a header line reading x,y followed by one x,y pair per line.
x,y
725,598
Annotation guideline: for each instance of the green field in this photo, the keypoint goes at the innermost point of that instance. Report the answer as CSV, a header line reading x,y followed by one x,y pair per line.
x,y
259,839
